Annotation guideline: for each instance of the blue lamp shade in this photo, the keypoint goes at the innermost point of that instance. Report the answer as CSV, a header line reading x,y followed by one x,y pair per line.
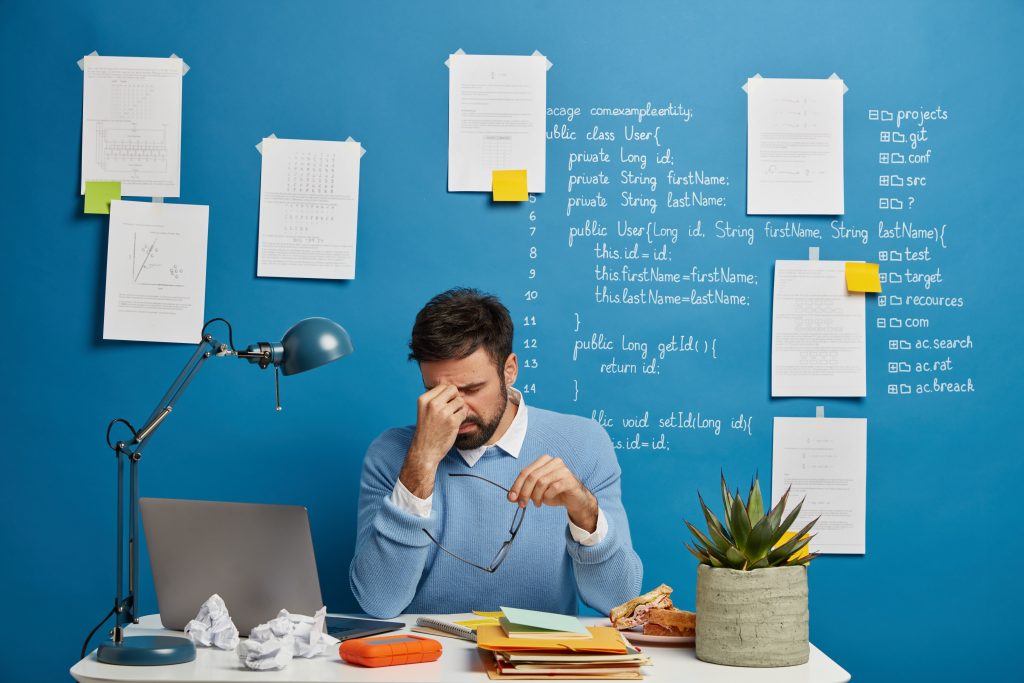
x,y
311,343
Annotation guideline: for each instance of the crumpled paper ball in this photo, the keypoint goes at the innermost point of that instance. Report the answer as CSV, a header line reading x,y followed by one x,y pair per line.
x,y
308,633
213,625
273,644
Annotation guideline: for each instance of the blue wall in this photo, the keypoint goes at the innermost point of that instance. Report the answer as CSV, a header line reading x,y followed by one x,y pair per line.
x,y
930,597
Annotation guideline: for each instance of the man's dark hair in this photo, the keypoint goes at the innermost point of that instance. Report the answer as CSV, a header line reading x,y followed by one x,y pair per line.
x,y
456,323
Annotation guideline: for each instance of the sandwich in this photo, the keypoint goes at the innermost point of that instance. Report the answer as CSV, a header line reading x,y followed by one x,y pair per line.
x,y
670,622
637,611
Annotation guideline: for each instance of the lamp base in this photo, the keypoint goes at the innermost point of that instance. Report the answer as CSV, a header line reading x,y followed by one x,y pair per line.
x,y
147,651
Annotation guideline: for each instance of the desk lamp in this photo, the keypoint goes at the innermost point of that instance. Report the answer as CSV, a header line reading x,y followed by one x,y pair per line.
x,y
308,344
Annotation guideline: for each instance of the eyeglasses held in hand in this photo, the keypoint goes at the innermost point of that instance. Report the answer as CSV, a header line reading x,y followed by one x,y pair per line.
x,y
517,522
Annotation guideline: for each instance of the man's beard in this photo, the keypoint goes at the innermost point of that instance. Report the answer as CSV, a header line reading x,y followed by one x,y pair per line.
x,y
486,430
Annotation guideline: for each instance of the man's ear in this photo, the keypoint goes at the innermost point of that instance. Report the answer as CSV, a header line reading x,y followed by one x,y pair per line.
x,y
511,370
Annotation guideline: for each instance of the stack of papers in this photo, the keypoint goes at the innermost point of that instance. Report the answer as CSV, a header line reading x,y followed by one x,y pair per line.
x,y
605,655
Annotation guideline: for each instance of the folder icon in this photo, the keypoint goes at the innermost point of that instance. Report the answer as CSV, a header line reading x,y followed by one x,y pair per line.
x,y
898,137
895,322
896,180
895,279
904,345
904,366
904,388
886,115
895,300
895,255
897,158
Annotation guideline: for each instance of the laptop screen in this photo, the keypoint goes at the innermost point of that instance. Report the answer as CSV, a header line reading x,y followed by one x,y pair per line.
x,y
258,558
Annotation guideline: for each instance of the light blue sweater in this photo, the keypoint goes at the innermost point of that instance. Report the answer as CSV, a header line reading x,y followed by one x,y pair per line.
x,y
398,569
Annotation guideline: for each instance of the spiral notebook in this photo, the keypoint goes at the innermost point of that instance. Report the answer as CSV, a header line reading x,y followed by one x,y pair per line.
x,y
442,627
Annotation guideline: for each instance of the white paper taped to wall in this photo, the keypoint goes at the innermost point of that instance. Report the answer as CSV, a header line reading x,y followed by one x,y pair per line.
x,y
818,331
824,460
795,145
156,272
131,124
309,208
496,119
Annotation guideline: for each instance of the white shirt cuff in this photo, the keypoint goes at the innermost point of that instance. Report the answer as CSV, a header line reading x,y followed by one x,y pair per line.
x,y
404,500
585,537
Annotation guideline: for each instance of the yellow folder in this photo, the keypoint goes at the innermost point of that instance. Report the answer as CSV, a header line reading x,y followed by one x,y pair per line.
x,y
604,639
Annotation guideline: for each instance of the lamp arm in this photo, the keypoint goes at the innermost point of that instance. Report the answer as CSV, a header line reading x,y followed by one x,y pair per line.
x,y
207,347
125,603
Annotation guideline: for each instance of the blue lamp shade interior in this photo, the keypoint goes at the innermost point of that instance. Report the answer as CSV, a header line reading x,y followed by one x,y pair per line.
x,y
313,342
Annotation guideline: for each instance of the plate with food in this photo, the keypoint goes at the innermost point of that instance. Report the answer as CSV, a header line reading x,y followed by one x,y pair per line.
x,y
652,618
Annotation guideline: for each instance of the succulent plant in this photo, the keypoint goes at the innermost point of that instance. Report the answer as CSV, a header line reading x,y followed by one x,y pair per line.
x,y
750,537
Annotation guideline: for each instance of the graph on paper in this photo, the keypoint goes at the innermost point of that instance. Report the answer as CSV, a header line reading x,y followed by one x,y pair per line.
x,y
156,271
155,259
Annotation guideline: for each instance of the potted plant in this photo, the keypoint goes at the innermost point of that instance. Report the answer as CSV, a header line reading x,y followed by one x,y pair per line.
x,y
751,583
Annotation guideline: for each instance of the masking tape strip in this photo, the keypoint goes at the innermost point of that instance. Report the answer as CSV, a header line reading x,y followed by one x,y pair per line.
x,y
536,53
184,67
259,145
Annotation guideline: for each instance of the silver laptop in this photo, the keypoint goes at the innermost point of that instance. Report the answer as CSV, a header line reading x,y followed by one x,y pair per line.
x,y
259,558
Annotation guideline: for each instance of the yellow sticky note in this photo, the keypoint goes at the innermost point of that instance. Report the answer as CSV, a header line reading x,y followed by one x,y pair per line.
x,y
489,615
862,277
509,186
786,537
98,195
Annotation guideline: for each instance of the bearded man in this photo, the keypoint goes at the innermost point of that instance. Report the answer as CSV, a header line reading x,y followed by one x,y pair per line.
x,y
444,519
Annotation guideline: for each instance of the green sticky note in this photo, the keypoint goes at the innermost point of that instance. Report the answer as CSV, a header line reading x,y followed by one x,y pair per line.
x,y
98,195
544,621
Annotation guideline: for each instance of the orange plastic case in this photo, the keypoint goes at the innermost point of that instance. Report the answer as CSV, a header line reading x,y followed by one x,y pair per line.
x,y
390,650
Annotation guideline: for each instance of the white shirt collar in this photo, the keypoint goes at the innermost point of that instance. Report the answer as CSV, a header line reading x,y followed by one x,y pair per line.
x,y
511,441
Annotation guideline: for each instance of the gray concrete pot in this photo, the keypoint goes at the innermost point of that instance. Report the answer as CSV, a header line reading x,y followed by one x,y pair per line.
x,y
752,618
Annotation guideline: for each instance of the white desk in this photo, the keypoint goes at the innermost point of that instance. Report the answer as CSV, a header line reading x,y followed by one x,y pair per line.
x,y
460,663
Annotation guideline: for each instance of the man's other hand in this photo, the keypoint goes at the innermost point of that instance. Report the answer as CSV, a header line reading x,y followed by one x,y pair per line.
x,y
547,481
